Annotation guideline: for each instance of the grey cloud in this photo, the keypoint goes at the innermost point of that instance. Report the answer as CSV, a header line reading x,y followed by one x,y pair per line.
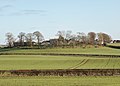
x,y
2,8
7,0
33,11
7,6
28,12
15,12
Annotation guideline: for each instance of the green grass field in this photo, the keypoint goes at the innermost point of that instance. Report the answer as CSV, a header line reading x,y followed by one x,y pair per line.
x,y
60,81
16,62
100,50
115,44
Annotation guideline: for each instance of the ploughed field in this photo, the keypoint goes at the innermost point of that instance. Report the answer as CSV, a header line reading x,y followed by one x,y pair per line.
x,y
37,62
60,81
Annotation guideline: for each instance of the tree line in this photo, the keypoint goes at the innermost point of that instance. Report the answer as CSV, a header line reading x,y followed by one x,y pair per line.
x,y
65,39
23,38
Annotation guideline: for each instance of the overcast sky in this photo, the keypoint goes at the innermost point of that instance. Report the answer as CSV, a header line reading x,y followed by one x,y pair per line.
x,y
49,16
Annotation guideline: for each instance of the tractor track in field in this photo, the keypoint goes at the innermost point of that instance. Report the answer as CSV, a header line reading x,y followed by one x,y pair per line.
x,y
119,64
83,62
107,62
77,64
115,64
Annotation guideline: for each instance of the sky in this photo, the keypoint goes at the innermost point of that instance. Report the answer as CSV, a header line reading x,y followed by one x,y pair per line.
x,y
50,16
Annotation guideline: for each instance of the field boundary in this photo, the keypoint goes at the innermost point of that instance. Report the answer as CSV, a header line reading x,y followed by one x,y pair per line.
x,y
55,54
112,46
62,72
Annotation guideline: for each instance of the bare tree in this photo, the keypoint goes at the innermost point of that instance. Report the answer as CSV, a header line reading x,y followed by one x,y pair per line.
x,y
68,35
61,33
91,37
82,38
39,37
73,40
79,36
21,37
10,39
29,39
61,39
100,38
104,38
